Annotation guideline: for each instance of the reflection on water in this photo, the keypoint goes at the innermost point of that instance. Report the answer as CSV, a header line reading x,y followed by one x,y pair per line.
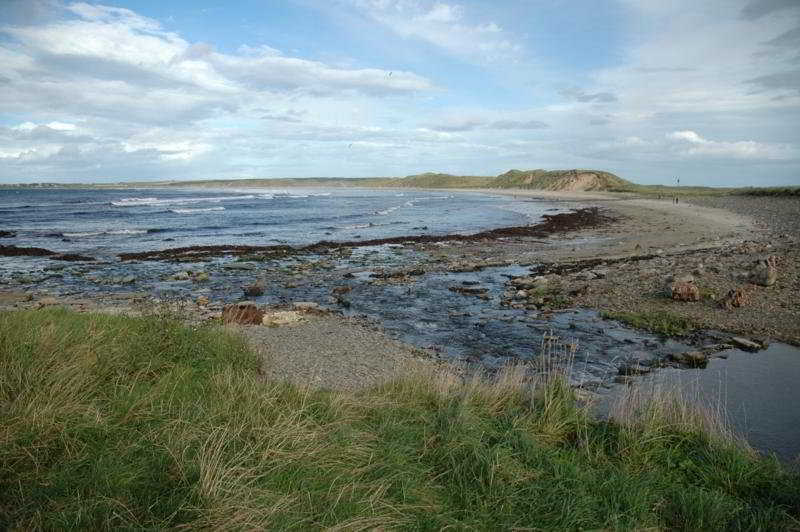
x,y
759,393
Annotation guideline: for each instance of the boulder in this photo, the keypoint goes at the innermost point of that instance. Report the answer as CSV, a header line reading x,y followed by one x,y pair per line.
x,y
744,343
736,297
202,301
181,276
764,271
246,313
254,290
682,291
306,306
281,317
693,359
201,277
339,290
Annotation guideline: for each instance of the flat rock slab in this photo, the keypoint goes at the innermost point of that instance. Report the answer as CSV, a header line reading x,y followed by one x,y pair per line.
x,y
282,317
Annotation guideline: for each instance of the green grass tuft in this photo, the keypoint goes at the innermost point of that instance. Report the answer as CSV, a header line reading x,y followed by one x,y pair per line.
x,y
659,322
115,422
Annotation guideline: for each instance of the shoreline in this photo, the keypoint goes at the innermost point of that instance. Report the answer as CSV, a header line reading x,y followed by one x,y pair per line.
x,y
618,265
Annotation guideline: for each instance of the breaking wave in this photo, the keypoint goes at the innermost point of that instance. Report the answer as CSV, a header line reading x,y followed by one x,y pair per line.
x,y
143,202
196,211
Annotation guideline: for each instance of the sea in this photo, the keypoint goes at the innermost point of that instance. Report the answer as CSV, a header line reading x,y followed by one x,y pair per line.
x,y
105,222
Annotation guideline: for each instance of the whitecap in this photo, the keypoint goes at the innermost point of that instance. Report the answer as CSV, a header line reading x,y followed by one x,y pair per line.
x,y
196,211
100,233
143,202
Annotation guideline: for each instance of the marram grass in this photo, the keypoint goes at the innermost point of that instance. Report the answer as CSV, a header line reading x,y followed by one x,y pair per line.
x,y
132,423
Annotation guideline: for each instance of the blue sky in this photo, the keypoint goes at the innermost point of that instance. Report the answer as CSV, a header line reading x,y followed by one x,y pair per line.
x,y
650,90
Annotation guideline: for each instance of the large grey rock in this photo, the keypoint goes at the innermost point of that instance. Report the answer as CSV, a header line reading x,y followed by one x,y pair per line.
x,y
744,343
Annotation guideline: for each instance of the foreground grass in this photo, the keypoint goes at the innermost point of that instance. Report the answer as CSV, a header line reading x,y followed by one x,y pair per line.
x,y
113,422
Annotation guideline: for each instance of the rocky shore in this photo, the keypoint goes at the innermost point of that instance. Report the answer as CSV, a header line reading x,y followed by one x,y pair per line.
x,y
612,254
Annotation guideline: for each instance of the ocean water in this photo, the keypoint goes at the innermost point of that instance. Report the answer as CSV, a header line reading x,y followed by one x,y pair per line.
x,y
102,223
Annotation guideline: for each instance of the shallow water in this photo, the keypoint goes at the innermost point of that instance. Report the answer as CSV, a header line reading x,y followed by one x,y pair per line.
x,y
758,392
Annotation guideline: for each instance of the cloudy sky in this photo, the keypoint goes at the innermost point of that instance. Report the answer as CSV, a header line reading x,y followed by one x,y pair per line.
x,y
708,91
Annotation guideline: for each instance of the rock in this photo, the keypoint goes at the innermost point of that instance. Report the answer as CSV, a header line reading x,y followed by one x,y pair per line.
x,y
585,276
281,317
692,359
181,276
239,266
254,290
306,306
202,301
245,313
744,343
348,275
682,288
341,290
634,369
736,297
522,282
600,273
7,234
342,302
685,292
764,271
201,277
128,279
469,290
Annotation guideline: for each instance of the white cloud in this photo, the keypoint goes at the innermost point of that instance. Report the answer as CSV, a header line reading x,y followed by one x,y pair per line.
x,y
58,126
700,57
690,143
445,26
105,84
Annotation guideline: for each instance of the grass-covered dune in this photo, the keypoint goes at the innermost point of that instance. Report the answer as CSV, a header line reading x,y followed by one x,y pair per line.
x,y
117,422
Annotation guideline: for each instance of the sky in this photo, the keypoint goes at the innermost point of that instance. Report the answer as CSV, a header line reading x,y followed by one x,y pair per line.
x,y
707,92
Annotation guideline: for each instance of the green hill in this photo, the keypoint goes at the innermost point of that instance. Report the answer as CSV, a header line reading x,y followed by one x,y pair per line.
x,y
434,180
527,179
559,180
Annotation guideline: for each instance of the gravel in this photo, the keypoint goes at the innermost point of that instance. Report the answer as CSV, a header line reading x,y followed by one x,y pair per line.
x,y
333,352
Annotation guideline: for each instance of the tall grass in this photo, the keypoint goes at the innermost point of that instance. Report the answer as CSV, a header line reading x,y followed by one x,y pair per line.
x,y
115,422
